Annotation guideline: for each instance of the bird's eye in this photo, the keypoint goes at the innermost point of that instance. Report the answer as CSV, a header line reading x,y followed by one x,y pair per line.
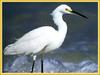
x,y
66,9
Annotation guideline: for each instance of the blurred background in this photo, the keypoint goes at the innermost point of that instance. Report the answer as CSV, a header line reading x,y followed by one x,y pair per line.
x,y
77,54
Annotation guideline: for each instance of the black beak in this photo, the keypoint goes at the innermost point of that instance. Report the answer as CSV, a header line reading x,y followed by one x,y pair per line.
x,y
79,14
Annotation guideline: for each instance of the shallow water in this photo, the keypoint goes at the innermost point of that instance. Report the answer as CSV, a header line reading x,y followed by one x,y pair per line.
x,y
62,60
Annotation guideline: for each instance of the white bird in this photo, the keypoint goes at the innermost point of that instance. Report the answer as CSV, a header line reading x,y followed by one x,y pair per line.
x,y
43,39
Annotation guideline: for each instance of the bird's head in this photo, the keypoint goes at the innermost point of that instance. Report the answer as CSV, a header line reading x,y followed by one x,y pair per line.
x,y
65,9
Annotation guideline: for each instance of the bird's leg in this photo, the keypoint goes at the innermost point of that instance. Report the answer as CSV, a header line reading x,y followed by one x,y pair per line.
x,y
34,58
42,63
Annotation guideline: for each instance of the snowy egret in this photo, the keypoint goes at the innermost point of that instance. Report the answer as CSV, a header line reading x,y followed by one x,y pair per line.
x,y
43,39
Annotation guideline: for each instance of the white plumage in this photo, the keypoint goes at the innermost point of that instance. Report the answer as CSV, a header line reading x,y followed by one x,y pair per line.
x,y
43,39
46,37
32,42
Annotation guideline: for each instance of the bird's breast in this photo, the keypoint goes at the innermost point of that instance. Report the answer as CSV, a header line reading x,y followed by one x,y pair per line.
x,y
55,43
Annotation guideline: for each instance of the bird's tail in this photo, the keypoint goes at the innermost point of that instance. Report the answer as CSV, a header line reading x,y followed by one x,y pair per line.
x,y
8,50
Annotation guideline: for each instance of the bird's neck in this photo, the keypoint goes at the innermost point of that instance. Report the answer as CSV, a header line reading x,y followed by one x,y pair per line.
x,y
58,20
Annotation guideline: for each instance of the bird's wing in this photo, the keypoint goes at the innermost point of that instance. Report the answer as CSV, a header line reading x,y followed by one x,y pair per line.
x,y
32,42
41,31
